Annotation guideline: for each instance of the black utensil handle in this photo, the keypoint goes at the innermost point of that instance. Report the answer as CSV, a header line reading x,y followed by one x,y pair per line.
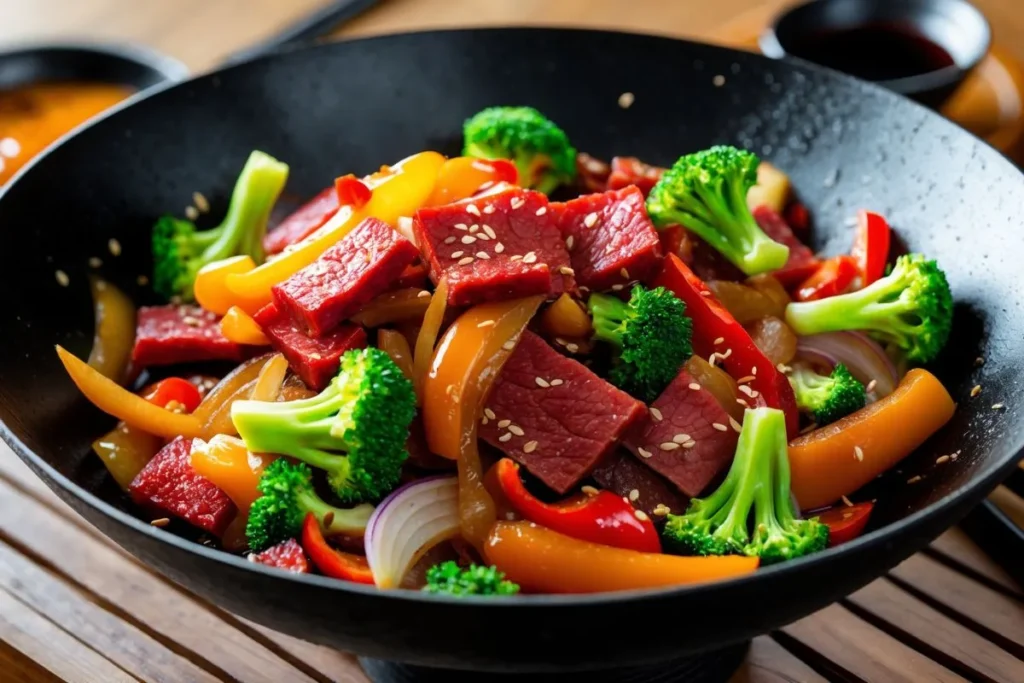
x,y
311,27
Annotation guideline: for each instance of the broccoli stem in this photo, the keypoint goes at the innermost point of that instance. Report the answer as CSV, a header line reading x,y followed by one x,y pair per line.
x,y
609,313
865,309
350,521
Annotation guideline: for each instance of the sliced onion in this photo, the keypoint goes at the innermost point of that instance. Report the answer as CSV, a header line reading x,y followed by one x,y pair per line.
x,y
862,356
407,524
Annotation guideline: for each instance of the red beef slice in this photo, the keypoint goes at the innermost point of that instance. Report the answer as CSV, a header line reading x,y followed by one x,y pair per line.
x,y
345,277
502,245
316,361
686,437
611,240
286,555
303,222
621,473
554,415
166,335
169,484
627,171
802,263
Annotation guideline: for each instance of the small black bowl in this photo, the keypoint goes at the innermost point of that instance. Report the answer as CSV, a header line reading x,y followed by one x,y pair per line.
x,y
955,29
130,65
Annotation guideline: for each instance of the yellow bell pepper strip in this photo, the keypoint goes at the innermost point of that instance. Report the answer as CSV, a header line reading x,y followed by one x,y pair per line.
x,y
135,410
395,345
462,177
465,366
565,318
838,459
210,289
426,338
544,561
115,330
239,327
394,307
398,191
125,450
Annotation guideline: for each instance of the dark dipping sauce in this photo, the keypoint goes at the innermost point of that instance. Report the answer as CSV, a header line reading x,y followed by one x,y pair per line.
x,y
873,52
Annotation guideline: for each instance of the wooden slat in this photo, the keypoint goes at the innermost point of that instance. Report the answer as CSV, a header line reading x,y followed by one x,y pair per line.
x,y
17,666
956,547
14,470
140,596
51,647
999,619
929,631
846,644
769,662
122,643
339,667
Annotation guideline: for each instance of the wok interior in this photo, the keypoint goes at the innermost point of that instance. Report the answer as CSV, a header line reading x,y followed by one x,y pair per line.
x,y
350,108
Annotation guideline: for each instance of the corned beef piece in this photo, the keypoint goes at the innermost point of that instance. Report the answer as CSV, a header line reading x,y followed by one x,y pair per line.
x,y
621,473
316,361
169,484
496,246
802,263
166,335
303,222
686,436
626,171
553,415
362,265
611,240
287,555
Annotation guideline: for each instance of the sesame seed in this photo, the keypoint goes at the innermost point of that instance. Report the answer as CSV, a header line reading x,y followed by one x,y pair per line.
x,y
530,258
483,255
529,447
618,288
694,386
753,370
744,389
712,359
661,510
644,453
590,219
458,254
485,323
516,257
557,382
568,242
668,446
745,379
505,437
191,213
200,201
450,239
474,228
517,202
719,426
705,292
489,414
489,209
468,239
871,386
142,280
641,515
689,444
681,438
589,490
783,368
979,361
736,426
490,231
509,345
541,382
719,340
976,390
560,341
858,453
62,278
914,479
499,248
316,356
656,414
483,236
624,273
728,352
160,523
572,347
517,430
95,262
424,294
626,100
742,402
504,423
542,210
465,261
997,406
566,270
941,459
634,494
461,226
718,81
846,502
471,208
809,428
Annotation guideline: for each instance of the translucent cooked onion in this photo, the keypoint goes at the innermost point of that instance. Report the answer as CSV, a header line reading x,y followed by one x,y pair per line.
x,y
862,356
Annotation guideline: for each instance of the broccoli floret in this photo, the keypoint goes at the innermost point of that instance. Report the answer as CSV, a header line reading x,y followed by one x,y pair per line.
x,y
910,310
758,479
355,429
288,496
180,250
539,148
652,335
827,397
706,192
449,577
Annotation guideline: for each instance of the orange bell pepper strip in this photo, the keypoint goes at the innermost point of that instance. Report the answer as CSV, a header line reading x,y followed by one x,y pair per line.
x,y
541,560
397,191
462,177
210,289
226,462
113,399
395,345
394,307
836,460
239,327
332,562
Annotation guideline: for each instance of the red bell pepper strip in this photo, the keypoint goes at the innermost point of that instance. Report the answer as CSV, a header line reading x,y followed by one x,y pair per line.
x,y
332,562
742,359
603,518
833,277
871,246
352,191
174,390
846,522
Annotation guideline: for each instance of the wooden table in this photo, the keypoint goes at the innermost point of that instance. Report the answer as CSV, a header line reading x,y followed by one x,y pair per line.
x,y
75,607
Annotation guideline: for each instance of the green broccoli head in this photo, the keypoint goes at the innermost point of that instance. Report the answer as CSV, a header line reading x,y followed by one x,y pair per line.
x,y
539,148
706,192
355,429
652,334
758,480
180,250
827,398
449,577
287,497
910,310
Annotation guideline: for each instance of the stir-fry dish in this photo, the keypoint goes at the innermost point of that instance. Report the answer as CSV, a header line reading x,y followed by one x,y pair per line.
x,y
446,380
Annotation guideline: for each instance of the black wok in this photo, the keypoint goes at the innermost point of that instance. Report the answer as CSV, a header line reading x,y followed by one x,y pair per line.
x,y
352,106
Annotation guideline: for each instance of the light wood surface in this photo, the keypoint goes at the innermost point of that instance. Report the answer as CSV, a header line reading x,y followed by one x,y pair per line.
x,y
75,607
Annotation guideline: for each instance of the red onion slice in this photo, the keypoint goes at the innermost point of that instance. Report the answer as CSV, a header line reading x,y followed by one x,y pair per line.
x,y
862,356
